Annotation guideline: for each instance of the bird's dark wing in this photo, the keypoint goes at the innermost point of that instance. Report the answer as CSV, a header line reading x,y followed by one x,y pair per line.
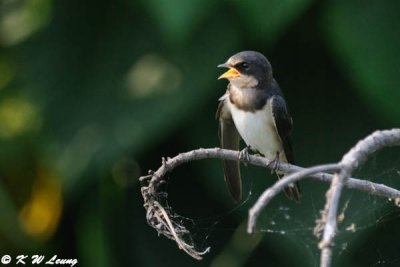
x,y
283,123
229,139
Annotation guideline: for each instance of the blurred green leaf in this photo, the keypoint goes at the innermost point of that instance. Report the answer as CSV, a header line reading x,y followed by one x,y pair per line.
x,y
177,18
268,19
366,39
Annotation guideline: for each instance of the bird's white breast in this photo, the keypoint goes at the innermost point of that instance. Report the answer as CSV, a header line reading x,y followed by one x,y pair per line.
x,y
257,129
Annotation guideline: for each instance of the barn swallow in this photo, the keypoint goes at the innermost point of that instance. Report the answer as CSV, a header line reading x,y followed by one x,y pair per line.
x,y
254,109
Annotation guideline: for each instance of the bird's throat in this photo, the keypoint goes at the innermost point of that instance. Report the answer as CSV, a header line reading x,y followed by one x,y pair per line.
x,y
247,99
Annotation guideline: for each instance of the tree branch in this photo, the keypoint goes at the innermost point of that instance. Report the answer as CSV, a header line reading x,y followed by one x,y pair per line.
x,y
219,153
161,217
351,160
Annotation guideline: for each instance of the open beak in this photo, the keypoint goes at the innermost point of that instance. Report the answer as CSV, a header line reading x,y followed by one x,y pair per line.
x,y
231,73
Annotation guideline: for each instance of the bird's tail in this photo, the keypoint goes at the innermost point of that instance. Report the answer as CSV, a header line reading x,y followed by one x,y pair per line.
x,y
292,191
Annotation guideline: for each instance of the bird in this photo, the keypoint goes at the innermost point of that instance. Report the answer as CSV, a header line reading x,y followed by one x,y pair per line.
x,y
254,108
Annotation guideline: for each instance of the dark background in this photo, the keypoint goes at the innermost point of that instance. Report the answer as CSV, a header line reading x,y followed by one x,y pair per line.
x,y
94,93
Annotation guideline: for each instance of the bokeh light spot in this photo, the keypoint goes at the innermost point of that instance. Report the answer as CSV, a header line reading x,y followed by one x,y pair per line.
x,y
20,19
152,74
40,215
17,116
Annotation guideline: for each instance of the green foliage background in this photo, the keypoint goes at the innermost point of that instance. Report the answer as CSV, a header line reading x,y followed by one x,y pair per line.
x,y
94,93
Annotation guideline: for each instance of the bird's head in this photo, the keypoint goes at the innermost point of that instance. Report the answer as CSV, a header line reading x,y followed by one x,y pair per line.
x,y
247,69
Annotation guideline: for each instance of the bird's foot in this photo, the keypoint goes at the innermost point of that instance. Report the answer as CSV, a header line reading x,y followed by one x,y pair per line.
x,y
244,155
274,164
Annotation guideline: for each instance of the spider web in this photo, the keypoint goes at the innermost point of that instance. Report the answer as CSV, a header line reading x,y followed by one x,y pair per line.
x,y
360,215
361,218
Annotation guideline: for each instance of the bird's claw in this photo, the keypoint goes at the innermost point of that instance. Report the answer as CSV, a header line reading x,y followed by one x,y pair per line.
x,y
244,155
274,164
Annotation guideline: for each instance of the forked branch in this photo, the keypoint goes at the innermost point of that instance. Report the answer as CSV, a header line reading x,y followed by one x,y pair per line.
x,y
351,160
161,217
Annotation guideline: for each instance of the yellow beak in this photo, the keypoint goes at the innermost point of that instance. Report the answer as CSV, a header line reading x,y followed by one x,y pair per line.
x,y
231,73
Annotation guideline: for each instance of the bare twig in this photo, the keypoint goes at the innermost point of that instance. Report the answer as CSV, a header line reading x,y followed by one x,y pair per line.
x,y
161,217
351,160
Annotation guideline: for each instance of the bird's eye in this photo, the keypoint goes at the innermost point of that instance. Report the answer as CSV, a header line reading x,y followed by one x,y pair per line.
x,y
244,65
